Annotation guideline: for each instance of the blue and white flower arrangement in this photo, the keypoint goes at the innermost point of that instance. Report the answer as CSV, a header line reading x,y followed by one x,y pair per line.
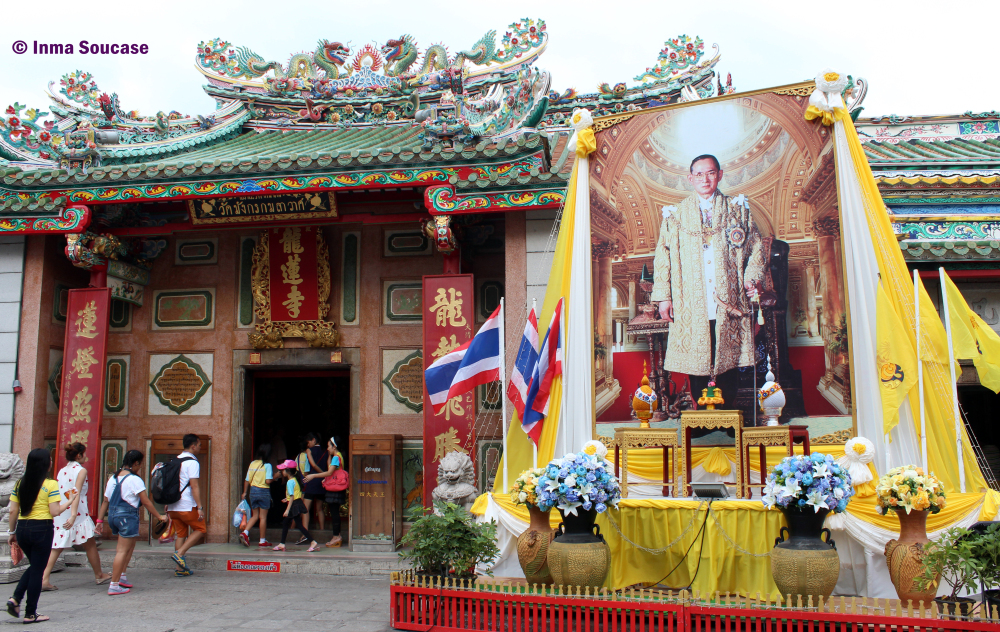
x,y
583,480
808,482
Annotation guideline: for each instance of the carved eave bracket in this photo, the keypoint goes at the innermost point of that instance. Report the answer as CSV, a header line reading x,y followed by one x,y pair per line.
x,y
270,334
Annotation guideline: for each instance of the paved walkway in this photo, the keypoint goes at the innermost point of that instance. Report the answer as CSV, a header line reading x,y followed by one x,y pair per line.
x,y
213,600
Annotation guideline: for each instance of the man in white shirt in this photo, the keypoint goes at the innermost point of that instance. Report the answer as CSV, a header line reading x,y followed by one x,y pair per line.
x,y
188,513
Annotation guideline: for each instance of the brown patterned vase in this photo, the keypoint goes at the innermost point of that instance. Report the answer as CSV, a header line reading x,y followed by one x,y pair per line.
x,y
579,556
533,547
803,563
905,558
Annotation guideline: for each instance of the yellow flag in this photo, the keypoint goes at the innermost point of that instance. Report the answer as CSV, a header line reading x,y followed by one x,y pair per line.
x,y
897,361
972,338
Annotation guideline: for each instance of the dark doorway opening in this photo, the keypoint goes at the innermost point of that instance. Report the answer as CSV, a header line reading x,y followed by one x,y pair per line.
x,y
980,405
287,405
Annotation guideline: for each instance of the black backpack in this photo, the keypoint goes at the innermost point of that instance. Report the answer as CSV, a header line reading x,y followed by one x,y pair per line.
x,y
165,482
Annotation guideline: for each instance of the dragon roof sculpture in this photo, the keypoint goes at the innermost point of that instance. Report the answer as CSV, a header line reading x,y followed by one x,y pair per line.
x,y
492,89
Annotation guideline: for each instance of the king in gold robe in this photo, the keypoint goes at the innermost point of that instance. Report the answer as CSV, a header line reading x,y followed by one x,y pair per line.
x,y
708,249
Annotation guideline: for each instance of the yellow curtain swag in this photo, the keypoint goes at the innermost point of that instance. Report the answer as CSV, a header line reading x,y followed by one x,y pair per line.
x,y
586,142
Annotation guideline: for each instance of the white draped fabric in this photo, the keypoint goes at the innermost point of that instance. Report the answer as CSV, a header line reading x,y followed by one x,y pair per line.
x,y
861,283
577,413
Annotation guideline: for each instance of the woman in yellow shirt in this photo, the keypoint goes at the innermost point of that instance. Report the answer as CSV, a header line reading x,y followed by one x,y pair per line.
x,y
33,502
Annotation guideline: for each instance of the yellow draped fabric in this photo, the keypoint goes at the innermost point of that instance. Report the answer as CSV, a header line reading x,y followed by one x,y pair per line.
x,y
898,284
958,506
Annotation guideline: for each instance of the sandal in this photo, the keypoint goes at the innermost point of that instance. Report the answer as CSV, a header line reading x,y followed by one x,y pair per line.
x,y
13,608
313,547
49,588
35,618
102,580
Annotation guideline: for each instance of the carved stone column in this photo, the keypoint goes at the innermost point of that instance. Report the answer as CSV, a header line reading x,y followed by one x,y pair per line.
x,y
809,296
827,235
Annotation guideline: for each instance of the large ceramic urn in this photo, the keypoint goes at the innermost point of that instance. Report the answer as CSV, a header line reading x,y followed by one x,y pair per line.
x,y
533,547
579,556
905,556
803,563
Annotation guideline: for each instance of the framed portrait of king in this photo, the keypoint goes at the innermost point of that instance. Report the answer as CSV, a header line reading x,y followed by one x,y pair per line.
x,y
717,253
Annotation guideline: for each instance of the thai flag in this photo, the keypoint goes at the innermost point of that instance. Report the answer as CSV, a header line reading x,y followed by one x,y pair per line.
x,y
524,366
474,363
550,357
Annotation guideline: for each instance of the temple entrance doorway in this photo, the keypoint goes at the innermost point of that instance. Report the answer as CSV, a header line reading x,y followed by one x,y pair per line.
x,y
287,405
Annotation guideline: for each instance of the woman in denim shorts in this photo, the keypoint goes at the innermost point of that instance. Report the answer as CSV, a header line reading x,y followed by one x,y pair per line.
x,y
124,493
258,484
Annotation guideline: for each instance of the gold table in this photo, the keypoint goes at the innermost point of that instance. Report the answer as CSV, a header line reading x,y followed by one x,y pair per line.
x,y
711,420
762,436
666,438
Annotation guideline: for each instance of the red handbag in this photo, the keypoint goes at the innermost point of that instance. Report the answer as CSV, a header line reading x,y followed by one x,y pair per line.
x,y
337,482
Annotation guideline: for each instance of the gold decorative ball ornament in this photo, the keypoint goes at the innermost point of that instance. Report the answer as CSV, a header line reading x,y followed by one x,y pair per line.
x,y
711,397
644,400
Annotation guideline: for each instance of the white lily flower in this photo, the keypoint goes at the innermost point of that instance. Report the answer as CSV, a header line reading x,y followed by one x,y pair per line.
x,y
551,485
817,500
838,493
791,488
569,508
821,471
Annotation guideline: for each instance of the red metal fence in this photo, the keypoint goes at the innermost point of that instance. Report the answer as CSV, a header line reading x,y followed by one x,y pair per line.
x,y
430,605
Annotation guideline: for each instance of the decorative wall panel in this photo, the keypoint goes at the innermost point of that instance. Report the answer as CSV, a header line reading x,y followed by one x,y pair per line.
x,y
402,381
184,309
180,384
402,301
189,252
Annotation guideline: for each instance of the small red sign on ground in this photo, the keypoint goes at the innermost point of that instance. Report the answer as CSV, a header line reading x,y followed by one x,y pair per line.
x,y
253,567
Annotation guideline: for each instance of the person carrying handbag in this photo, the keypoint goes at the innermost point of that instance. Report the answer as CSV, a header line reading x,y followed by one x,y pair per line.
x,y
335,484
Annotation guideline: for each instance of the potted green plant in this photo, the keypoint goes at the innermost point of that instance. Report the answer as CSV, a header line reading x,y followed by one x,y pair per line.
x,y
953,558
988,552
448,542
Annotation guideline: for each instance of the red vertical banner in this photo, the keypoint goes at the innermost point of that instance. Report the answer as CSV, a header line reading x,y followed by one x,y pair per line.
x,y
81,400
292,270
448,303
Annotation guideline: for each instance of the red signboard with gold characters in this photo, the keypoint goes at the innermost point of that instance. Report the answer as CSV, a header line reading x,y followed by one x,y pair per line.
x,y
82,395
448,318
294,284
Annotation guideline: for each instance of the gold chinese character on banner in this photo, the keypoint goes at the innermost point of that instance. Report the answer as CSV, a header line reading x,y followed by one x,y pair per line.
x,y
291,241
80,407
84,359
447,308
85,322
290,271
445,346
447,442
452,407
294,302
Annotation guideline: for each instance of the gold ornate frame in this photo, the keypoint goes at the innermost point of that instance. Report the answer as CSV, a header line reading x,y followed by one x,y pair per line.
x,y
269,334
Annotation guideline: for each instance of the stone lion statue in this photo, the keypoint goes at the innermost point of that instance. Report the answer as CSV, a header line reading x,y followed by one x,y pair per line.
x,y
11,471
456,480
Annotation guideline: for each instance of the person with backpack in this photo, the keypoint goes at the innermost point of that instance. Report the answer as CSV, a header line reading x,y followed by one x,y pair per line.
x,y
258,483
176,486
335,484
294,507
123,494
33,502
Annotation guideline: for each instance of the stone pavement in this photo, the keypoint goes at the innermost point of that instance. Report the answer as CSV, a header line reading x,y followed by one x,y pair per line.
x,y
213,601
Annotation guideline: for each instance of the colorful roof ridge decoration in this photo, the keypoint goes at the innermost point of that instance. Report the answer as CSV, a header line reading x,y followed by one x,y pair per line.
x,y
336,116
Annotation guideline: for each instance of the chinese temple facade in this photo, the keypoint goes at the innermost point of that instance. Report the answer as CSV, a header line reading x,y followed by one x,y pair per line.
x,y
291,262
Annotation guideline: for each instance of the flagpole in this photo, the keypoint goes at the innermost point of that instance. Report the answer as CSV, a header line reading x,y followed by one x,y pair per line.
x,y
920,373
534,446
954,380
503,393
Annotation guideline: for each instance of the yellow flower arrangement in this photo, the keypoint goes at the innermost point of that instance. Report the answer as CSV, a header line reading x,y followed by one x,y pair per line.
x,y
909,488
522,492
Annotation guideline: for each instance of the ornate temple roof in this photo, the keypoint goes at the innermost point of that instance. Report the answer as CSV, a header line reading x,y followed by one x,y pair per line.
x,y
484,118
